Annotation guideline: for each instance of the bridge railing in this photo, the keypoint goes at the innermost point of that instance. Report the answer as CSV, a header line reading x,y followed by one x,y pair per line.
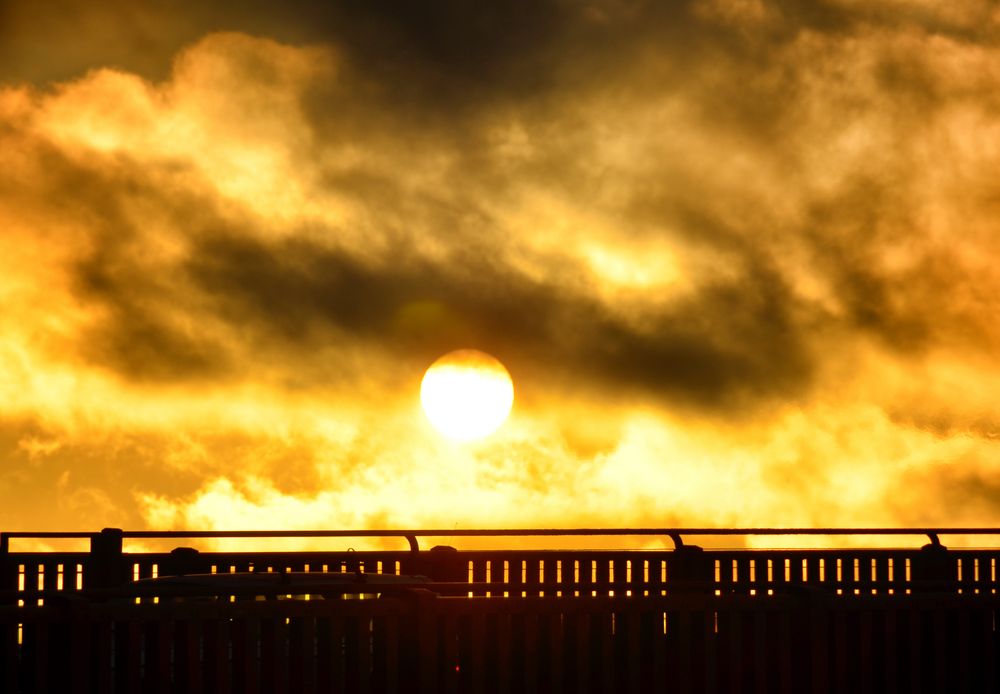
x,y
533,572
685,619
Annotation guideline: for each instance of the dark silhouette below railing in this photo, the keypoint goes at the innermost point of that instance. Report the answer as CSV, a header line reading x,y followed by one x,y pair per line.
x,y
687,619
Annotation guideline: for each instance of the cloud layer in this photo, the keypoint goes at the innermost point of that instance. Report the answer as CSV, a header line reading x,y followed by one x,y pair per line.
x,y
737,256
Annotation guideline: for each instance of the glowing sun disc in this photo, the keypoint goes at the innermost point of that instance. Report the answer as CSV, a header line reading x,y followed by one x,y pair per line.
x,y
466,394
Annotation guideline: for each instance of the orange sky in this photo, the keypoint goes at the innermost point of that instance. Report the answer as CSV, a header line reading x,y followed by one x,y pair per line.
x,y
738,257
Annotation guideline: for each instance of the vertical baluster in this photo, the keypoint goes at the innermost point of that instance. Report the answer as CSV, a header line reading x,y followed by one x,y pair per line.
x,y
503,653
474,658
361,652
629,632
586,572
603,574
551,667
710,651
606,652
915,666
187,651
890,654
553,574
217,666
816,571
495,575
685,640
841,647
745,573
390,665
479,563
159,642
330,672
724,573
731,626
943,636
622,575
578,630
819,640
863,652
37,643
515,574
530,652
246,664
102,634
989,657
782,572
757,575
882,572
9,651
302,654
963,626
796,575
835,572
760,647
786,649
533,572
897,572
10,570
865,571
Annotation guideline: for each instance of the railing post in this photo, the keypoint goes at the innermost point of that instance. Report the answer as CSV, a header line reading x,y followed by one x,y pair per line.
x,y
690,570
446,564
934,565
183,561
8,572
106,568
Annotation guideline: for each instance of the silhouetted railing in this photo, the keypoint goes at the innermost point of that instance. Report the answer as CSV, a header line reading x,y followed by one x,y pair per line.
x,y
684,619
523,572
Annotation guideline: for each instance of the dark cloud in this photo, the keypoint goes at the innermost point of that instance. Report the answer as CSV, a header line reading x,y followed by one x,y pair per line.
x,y
730,342
414,84
138,329
283,299
211,263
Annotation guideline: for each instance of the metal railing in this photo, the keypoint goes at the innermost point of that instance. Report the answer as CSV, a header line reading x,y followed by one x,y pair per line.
x,y
529,571
686,619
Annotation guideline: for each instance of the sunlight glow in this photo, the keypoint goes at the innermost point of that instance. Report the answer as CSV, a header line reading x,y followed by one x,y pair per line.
x,y
466,394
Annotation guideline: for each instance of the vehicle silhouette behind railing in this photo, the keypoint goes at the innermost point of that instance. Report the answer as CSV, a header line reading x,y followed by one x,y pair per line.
x,y
512,620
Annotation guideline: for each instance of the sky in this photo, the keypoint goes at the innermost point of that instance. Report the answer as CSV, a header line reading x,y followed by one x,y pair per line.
x,y
738,257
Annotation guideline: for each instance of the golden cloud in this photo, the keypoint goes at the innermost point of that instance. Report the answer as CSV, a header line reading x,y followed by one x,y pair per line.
x,y
752,288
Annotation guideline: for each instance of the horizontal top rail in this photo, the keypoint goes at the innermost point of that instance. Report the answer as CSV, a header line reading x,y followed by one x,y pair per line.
x,y
675,534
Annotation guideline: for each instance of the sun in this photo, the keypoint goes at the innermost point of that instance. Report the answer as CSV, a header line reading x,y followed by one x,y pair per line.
x,y
466,394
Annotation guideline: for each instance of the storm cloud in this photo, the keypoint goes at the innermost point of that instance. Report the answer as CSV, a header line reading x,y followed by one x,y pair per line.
x,y
740,215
